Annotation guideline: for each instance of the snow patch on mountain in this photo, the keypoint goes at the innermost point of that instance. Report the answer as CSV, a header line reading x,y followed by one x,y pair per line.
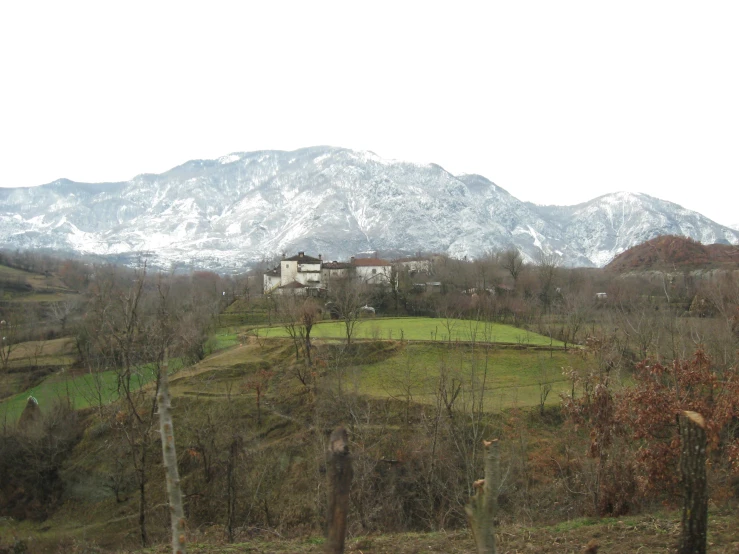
x,y
229,212
231,158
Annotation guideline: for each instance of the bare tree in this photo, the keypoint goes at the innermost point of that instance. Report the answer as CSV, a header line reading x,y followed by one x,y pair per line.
x,y
576,308
298,315
310,314
9,338
62,311
129,324
348,296
639,322
287,313
449,310
546,269
512,262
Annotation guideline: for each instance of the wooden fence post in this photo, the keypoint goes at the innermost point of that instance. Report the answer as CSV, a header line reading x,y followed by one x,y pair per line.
x,y
340,473
482,507
169,456
693,472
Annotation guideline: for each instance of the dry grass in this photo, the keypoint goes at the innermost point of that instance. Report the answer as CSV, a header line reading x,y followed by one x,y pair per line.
x,y
36,352
646,534
50,284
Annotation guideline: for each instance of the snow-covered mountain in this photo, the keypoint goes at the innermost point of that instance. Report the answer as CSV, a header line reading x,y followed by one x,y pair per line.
x,y
244,207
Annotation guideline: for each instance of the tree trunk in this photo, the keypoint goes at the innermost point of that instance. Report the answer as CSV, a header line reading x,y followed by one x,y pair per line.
x,y
482,507
693,472
231,484
308,346
142,496
169,455
340,475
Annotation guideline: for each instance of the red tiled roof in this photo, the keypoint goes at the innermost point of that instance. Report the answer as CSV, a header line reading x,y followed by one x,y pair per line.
x,y
370,262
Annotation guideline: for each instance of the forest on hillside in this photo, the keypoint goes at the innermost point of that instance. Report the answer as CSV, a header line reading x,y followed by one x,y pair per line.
x,y
576,381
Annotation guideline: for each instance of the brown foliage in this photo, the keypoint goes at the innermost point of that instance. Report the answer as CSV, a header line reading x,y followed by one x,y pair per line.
x,y
649,410
634,434
644,417
670,251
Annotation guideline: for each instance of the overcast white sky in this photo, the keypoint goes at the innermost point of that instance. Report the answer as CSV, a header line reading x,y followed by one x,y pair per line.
x,y
557,102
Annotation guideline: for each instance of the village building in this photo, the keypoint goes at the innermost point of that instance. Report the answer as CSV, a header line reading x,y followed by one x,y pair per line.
x,y
331,271
372,271
305,275
272,279
297,273
414,265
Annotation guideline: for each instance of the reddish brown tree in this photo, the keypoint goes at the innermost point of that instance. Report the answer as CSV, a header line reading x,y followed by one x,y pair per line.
x,y
645,417
650,409
259,383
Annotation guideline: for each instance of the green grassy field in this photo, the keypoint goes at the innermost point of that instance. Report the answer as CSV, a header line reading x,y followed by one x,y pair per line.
x,y
423,328
407,371
512,377
82,391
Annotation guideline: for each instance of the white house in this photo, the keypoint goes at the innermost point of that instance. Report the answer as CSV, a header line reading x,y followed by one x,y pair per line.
x,y
373,271
272,279
414,265
303,274
301,270
306,270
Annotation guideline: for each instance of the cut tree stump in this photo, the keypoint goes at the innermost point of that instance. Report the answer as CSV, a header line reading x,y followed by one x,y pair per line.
x,y
693,472
483,505
340,473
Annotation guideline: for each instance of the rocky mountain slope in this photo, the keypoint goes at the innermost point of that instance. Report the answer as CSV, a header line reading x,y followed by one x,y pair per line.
x,y
244,207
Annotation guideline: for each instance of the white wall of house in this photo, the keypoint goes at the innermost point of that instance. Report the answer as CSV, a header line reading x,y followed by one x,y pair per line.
x,y
416,265
271,282
309,274
288,272
302,269
374,274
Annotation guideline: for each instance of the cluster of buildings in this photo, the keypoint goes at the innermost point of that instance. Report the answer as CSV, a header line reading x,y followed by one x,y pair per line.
x,y
305,275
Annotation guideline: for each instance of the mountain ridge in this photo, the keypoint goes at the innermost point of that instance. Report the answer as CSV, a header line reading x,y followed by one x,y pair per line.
x,y
235,210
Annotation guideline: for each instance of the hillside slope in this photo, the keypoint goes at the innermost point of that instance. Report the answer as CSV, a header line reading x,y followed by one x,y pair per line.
x,y
671,253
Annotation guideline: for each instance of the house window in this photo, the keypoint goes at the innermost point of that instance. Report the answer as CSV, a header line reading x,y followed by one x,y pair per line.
x,y
374,271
